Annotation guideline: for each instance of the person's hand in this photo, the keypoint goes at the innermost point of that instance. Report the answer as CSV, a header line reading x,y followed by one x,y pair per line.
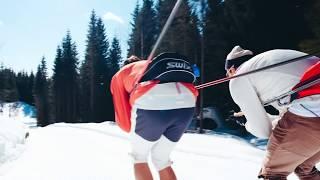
x,y
275,123
238,114
239,118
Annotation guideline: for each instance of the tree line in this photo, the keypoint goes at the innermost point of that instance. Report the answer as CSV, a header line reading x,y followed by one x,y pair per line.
x,y
207,30
77,91
203,30
16,86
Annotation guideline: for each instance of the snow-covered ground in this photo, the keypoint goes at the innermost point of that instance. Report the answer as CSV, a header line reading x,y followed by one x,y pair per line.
x,y
13,129
100,152
18,111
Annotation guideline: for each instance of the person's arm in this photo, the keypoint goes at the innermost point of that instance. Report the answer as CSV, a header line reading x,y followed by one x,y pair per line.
x,y
121,103
244,94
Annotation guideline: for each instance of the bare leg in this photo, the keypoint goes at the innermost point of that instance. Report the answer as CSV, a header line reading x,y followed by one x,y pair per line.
x,y
167,174
142,171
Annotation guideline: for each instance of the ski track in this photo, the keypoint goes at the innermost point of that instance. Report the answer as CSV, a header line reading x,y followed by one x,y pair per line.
x,y
195,154
91,129
188,151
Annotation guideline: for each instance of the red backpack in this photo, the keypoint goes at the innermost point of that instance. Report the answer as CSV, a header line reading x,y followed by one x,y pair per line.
x,y
311,76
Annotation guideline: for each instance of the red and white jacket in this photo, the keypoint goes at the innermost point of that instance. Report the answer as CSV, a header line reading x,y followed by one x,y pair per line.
x,y
146,95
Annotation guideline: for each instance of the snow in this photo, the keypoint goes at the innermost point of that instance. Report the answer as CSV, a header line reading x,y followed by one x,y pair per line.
x,y
100,152
12,131
18,111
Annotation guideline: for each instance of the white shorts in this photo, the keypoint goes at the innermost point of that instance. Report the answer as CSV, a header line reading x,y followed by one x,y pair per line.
x,y
156,132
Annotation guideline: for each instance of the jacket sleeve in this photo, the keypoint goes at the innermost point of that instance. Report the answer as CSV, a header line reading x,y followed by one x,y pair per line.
x,y
121,103
244,94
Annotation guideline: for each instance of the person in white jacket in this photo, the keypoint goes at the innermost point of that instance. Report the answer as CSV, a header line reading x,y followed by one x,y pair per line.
x,y
294,135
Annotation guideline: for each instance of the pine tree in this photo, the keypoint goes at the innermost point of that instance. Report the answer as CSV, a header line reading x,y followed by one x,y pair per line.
x,y
215,41
51,103
22,85
148,27
144,30
266,25
65,83
2,84
255,25
25,85
85,111
221,32
8,88
114,65
30,97
102,77
41,94
183,34
115,56
312,14
57,86
86,72
95,75
70,97
134,41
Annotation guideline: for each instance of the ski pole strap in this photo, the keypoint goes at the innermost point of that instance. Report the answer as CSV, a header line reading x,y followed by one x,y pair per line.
x,y
219,81
294,91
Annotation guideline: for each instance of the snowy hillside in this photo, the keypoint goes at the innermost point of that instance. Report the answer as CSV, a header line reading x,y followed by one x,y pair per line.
x,y
18,111
100,152
13,129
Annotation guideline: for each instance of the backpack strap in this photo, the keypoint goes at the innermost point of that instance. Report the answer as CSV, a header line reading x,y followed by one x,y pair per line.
x,y
293,93
308,85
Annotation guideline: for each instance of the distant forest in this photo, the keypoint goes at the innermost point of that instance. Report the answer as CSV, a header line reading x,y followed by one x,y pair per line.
x,y
203,30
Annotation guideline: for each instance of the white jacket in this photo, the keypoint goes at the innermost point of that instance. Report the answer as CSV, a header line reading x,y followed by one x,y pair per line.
x,y
252,91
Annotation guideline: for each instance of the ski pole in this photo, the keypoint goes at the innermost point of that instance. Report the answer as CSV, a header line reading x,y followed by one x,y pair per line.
x,y
219,81
163,32
165,29
305,86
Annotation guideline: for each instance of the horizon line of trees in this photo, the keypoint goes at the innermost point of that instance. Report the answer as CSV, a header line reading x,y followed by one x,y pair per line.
x,y
77,91
206,30
203,30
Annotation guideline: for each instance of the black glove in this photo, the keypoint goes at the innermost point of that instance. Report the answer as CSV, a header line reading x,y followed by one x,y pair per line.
x,y
241,120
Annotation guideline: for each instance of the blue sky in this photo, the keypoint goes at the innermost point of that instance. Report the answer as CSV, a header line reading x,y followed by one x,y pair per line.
x,y
30,29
